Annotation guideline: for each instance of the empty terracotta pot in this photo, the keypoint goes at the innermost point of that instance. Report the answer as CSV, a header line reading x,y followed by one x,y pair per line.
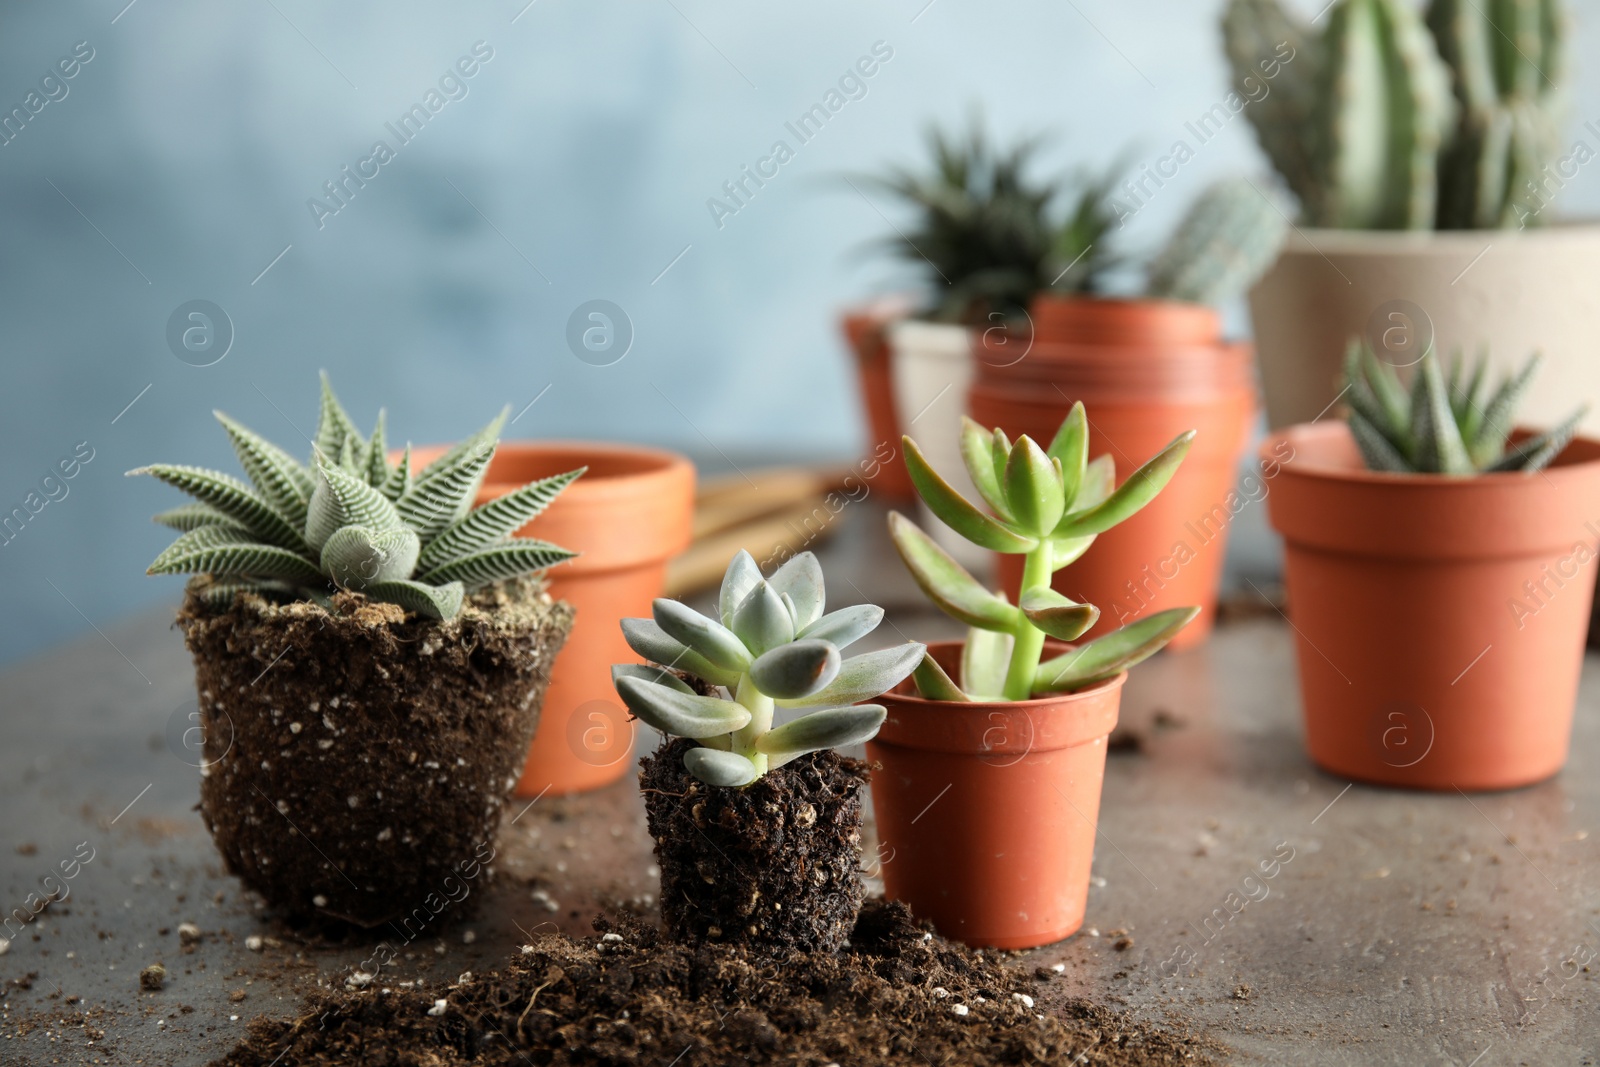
x,y
1439,622
866,330
986,811
627,517
1146,371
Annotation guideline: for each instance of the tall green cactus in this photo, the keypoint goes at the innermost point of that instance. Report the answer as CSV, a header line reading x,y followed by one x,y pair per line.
x,y
1392,121
1230,235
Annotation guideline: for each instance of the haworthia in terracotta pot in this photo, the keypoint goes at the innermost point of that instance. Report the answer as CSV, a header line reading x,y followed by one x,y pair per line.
x,y
370,653
757,824
1440,572
1009,741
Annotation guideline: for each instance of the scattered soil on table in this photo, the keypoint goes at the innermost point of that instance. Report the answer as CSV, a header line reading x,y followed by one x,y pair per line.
x,y
897,996
772,866
358,757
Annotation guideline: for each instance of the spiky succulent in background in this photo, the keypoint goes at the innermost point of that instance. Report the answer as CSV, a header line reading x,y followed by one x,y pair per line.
x,y
1456,426
771,646
1229,236
1048,504
352,520
987,230
1381,124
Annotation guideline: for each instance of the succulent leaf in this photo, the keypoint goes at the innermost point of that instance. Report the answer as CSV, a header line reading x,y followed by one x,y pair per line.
x,y
866,676
956,512
1376,449
397,483
1057,616
710,639
429,600
1108,656
231,497
334,428
681,714
649,640
496,520
499,562
187,517
1129,497
343,499
224,550
934,684
977,455
443,493
356,557
985,658
276,475
725,770
741,576
373,460
762,620
833,727
1034,490
846,626
957,593
796,670
1070,447
800,579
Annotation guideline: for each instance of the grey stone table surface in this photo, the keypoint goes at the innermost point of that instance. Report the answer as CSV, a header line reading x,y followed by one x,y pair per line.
x,y
1401,928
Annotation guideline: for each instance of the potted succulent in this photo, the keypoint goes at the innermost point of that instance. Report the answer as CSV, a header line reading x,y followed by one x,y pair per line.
x,y
986,239
1440,575
757,825
1149,368
992,755
629,515
370,655
1426,150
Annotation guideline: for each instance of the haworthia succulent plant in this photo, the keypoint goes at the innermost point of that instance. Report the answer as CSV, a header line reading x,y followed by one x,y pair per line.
x,y
350,520
1395,120
1455,424
770,646
1047,504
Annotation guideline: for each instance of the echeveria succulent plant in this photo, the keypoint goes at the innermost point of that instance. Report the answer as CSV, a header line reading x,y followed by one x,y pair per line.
x,y
770,647
352,520
1048,504
1457,426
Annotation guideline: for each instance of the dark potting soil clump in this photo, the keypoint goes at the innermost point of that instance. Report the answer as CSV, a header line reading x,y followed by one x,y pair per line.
x,y
897,996
357,757
772,866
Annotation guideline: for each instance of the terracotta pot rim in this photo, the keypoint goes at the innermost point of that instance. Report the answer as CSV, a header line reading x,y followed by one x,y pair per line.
x,y
1419,483
652,462
1129,302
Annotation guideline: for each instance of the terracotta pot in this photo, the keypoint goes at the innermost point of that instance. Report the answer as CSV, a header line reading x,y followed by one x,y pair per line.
x,y
1439,622
1170,373
867,333
1516,291
986,811
628,516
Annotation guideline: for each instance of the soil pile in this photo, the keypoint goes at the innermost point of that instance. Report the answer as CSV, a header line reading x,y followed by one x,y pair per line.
x,y
897,995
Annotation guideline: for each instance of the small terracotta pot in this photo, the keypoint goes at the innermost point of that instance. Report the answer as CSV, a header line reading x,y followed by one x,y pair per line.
x,y
867,333
628,516
1146,371
1439,622
986,811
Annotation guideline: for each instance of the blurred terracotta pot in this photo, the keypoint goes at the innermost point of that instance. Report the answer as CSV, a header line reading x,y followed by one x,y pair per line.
x,y
1146,371
986,811
866,330
629,515
1439,621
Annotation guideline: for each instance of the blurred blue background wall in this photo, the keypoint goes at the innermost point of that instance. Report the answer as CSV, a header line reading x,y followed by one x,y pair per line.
x,y
574,164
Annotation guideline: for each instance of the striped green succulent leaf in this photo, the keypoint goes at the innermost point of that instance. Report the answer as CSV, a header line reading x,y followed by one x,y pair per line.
x,y
221,550
187,517
496,520
233,498
357,557
344,499
499,562
397,483
276,475
431,601
443,493
335,430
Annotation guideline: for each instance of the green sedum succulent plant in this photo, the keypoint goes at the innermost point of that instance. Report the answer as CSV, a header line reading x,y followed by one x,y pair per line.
x,y
351,520
1048,504
770,647
1455,425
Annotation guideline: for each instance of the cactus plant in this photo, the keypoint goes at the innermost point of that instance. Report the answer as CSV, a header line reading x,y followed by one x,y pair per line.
x,y
1048,504
1230,235
352,520
771,646
1451,425
1382,124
